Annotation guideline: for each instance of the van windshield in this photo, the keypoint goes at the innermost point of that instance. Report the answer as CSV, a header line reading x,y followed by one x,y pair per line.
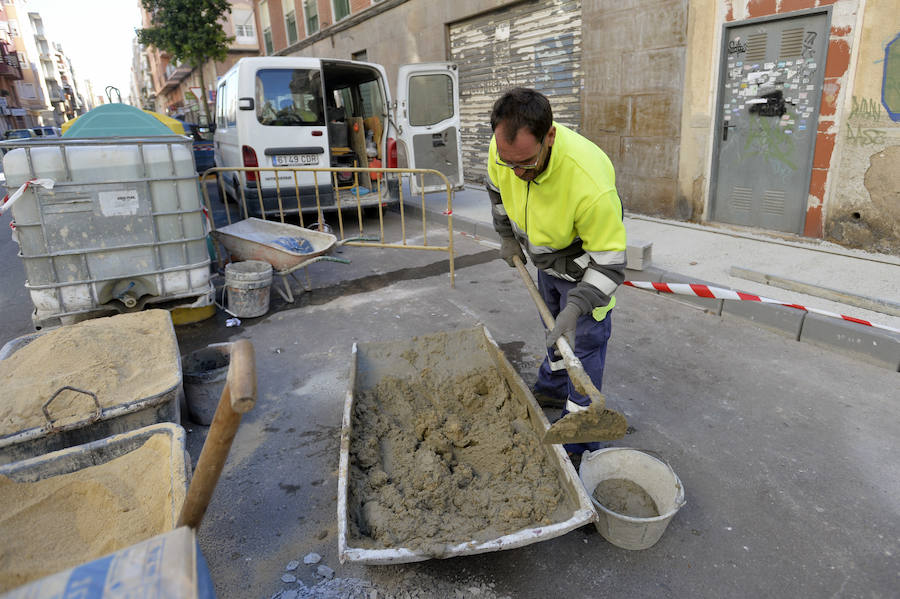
x,y
289,97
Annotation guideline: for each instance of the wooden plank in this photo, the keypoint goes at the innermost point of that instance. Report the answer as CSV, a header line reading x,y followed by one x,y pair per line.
x,y
358,144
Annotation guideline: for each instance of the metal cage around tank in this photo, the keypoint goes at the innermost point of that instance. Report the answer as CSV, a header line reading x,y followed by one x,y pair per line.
x,y
122,227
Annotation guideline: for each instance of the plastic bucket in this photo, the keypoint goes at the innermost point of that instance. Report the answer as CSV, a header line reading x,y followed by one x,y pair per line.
x,y
204,374
248,284
653,475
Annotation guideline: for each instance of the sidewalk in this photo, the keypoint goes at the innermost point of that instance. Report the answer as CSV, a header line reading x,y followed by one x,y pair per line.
x,y
816,274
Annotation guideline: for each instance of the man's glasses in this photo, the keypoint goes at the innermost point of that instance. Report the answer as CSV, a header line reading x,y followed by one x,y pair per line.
x,y
525,167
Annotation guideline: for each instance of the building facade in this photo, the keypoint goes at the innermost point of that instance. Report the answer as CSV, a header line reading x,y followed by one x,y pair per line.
x,y
175,87
37,79
781,115
12,115
33,103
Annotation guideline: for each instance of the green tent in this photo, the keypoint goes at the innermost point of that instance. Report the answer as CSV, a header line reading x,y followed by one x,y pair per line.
x,y
121,120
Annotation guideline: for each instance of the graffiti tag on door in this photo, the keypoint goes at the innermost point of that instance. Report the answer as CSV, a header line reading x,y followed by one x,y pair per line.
x,y
767,140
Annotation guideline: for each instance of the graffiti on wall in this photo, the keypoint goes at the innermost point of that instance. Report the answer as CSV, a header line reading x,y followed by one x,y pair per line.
x,y
766,139
865,108
862,136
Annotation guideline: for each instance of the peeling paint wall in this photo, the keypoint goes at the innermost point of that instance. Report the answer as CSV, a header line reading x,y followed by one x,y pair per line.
x,y
863,207
698,116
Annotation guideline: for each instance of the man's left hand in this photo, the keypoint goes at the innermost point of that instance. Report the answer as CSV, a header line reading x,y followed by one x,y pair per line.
x,y
565,325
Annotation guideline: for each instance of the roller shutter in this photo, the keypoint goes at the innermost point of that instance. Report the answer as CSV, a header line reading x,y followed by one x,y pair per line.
x,y
531,44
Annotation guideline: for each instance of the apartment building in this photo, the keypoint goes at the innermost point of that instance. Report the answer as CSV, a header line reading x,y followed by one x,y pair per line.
x,y
12,115
142,91
175,86
33,104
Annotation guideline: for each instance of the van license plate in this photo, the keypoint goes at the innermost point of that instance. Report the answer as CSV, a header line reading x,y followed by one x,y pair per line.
x,y
295,159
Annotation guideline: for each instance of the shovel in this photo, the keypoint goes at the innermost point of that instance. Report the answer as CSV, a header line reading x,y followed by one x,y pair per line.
x,y
238,397
595,423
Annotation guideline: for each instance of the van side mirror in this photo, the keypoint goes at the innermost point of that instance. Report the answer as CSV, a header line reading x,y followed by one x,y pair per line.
x,y
245,103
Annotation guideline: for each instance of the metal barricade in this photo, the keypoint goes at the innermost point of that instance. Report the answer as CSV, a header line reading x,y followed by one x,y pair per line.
x,y
267,202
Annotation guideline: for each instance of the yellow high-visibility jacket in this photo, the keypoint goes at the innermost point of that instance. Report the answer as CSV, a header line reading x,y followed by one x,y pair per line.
x,y
568,219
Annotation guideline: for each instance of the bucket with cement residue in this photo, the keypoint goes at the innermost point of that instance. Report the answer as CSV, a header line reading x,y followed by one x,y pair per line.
x,y
640,484
248,284
205,371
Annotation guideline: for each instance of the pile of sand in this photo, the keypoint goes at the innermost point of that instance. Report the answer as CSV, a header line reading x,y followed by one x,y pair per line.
x,y
121,358
438,461
60,522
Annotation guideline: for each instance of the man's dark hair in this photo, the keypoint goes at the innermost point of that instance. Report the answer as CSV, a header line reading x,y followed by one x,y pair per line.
x,y
522,107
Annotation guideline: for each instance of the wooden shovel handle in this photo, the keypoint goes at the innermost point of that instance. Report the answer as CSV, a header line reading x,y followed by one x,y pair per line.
x,y
238,397
580,379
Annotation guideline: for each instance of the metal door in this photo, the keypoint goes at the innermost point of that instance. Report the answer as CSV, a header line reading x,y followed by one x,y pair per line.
x,y
769,91
428,115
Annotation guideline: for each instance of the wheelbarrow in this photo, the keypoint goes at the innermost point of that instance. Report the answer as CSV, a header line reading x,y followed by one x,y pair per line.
x,y
286,247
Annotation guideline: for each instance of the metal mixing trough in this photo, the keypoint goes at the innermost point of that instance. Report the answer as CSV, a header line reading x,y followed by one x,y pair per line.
x,y
464,351
128,414
286,247
174,466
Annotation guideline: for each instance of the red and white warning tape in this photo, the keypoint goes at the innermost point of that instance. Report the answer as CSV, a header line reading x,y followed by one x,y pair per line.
x,y
720,293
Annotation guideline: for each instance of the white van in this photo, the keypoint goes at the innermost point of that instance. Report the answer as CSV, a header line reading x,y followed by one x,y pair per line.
x,y
321,112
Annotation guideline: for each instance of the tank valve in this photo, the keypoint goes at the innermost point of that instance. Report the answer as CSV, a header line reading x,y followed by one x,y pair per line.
x,y
127,298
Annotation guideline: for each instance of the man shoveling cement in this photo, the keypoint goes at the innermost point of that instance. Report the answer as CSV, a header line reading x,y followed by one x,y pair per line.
x,y
553,192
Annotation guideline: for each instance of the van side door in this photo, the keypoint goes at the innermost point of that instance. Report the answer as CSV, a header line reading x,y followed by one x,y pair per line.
x,y
428,116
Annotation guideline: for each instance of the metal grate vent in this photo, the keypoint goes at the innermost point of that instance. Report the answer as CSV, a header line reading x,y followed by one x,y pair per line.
x,y
741,198
791,43
773,202
756,47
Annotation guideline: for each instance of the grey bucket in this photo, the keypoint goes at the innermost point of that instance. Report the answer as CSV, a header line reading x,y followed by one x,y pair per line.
x,y
654,475
248,285
205,371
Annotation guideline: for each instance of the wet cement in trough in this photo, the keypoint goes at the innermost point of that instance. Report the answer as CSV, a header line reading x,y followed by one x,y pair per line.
x,y
440,460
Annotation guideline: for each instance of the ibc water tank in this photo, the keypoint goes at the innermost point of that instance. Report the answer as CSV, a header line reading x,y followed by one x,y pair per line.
x,y
123,225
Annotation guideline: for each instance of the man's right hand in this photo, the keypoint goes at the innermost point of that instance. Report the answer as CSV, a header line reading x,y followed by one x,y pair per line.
x,y
509,247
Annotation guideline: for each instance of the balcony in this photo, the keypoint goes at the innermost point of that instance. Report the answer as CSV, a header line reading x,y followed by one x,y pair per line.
x,y
175,75
9,62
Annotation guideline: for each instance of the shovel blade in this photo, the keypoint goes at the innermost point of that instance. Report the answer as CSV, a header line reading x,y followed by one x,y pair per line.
x,y
594,424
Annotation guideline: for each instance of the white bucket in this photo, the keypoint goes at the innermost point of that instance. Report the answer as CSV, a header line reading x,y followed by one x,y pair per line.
x,y
248,284
655,476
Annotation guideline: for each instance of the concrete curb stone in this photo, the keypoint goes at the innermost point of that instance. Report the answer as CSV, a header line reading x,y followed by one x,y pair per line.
x,y
872,345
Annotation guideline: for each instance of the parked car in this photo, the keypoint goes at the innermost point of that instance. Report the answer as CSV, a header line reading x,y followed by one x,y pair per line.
x,y
18,134
204,157
46,132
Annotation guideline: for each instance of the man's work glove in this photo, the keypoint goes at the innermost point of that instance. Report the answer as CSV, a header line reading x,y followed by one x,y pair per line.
x,y
509,247
565,325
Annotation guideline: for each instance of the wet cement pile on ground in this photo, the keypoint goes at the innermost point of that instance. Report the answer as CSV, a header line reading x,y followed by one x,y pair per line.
x,y
121,359
441,460
59,522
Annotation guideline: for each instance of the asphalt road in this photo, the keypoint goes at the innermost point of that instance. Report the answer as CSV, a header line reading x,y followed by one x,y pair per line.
x,y
786,451
783,448
14,297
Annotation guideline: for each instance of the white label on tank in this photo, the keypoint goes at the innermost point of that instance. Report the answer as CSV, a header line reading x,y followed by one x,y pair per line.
x,y
119,203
